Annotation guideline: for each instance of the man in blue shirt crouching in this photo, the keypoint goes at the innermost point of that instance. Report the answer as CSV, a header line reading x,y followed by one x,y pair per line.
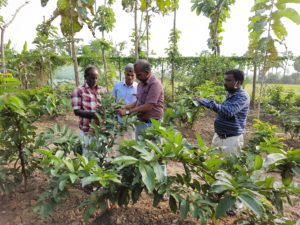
x,y
231,114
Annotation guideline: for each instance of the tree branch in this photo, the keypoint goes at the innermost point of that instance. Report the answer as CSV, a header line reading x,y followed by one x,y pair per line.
x,y
15,14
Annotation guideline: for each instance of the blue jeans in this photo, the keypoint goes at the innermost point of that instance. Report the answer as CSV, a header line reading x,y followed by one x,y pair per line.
x,y
138,132
140,128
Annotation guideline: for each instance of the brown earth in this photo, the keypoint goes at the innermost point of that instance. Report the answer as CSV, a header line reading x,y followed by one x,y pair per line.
x,y
16,208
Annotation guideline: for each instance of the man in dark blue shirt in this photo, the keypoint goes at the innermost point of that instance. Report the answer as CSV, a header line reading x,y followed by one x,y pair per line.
x,y
232,114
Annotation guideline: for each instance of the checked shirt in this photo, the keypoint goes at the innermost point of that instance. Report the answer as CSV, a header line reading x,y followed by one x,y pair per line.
x,y
88,99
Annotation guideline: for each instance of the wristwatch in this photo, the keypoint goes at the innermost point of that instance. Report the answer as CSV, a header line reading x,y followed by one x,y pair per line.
x,y
127,112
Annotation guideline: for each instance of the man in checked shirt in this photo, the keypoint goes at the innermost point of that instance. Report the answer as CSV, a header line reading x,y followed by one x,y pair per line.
x,y
85,100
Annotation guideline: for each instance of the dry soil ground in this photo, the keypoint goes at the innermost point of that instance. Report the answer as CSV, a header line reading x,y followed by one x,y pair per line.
x,y
16,208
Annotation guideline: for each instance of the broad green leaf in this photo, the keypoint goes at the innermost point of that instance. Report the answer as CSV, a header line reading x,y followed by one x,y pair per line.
x,y
252,203
287,177
289,13
73,178
149,156
294,155
172,204
16,102
296,170
157,198
48,154
148,176
279,29
66,27
221,186
90,164
123,197
258,162
214,164
184,208
159,171
90,179
194,210
154,147
224,205
125,159
62,184
136,193
273,158
59,154
187,172
141,149
288,1
69,164
200,141
63,5
280,5
202,216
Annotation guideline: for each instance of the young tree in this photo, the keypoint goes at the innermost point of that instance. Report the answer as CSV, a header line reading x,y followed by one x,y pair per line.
x,y
104,21
3,27
46,42
217,11
266,29
148,7
173,50
73,14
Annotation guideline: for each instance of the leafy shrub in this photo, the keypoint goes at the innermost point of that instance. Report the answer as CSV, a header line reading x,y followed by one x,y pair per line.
x,y
210,184
285,107
185,109
17,115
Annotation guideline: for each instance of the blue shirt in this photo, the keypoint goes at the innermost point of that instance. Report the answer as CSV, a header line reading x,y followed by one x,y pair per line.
x,y
232,113
126,93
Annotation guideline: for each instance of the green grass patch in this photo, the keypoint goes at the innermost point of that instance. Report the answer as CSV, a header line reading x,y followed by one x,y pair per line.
x,y
287,87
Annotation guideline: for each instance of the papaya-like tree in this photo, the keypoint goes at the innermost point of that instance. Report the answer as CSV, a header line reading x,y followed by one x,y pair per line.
x,y
173,50
266,31
46,42
297,64
3,26
74,14
151,7
147,8
218,11
104,21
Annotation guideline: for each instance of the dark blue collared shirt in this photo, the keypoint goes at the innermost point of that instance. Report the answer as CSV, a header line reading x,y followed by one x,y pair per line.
x,y
232,113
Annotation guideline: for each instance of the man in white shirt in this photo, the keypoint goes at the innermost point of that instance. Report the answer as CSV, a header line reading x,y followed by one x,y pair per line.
x,y
126,90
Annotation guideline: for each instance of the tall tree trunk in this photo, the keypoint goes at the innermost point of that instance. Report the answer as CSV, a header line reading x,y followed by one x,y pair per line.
x,y
285,68
119,64
162,72
50,75
254,86
26,78
136,38
264,70
3,27
23,165
174,49
3,52
104,64
74,58
147,31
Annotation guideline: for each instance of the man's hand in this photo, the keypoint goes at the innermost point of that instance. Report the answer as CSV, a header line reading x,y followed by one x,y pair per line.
x,y
197,98
121,112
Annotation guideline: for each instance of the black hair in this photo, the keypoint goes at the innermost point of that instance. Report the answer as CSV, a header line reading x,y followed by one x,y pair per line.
x,y
144,65
237,74
88,70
